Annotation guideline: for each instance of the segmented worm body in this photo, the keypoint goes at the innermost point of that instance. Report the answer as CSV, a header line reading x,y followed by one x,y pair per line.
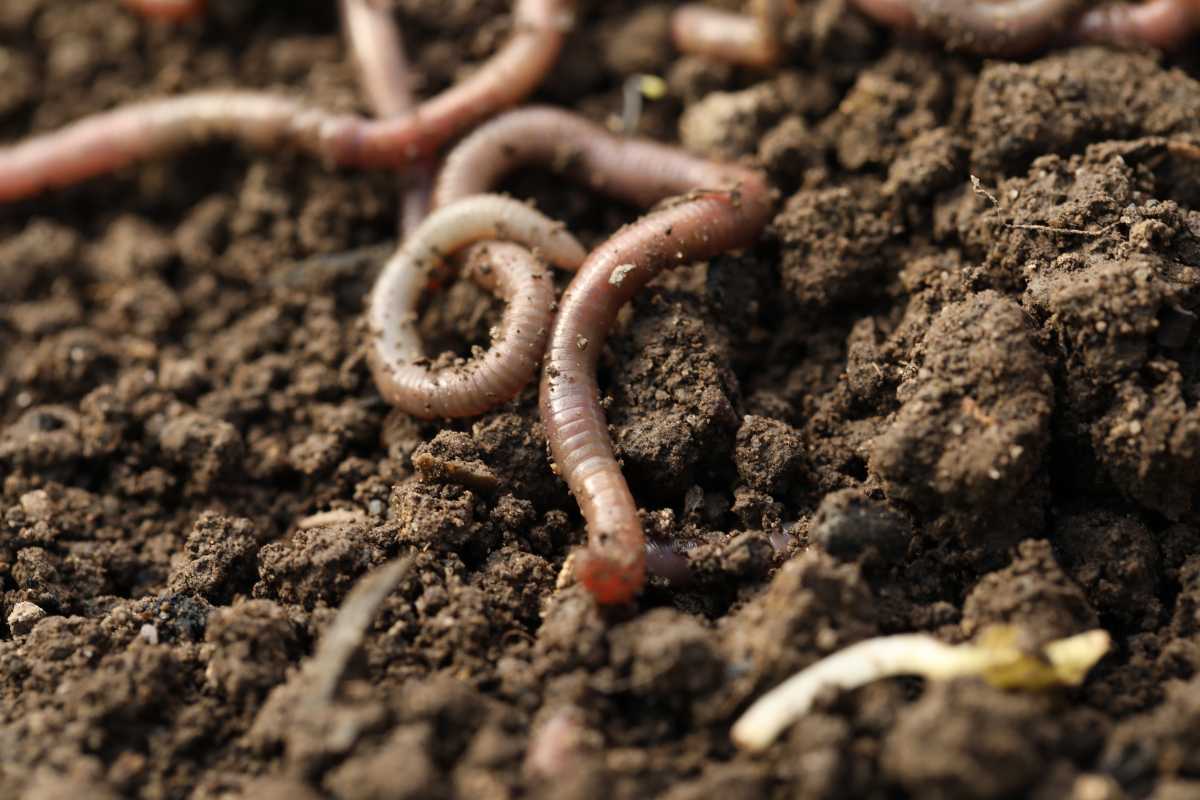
x,y
402,372
115,139
168,10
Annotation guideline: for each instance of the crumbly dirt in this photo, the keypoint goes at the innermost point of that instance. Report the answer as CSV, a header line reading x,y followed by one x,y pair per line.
x,y
916,404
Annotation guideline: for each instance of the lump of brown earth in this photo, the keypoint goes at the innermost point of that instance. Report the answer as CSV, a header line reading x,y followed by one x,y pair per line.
x,y
674,394
1059,103
892,102
1032,593
812,607
974,423
250,648
1116,560
317,565
966,740
848,522
769,454
833,243
219,559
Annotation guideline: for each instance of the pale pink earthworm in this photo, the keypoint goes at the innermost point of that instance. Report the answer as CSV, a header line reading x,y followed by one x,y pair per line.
x,y
168,10
378,49
401,369
115,139
749,39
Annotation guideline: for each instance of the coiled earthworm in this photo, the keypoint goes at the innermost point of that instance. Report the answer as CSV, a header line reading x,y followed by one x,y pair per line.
x,y
115,139
728,207
749,39
1165,24
402,371
378,49
168,10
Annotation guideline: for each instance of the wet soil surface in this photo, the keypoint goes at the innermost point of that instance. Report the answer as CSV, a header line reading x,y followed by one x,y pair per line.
x,y
915,405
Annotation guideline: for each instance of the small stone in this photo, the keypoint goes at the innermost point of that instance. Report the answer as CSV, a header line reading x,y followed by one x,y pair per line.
x,y
148,634
23,617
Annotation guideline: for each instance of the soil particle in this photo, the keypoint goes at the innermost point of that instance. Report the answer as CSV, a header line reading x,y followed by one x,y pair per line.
x,y
674,396
1033,593
833,243
1116,560
848,523
811,608
769,454
943,738
251,646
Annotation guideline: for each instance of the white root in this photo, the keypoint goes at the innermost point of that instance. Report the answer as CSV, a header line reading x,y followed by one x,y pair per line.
x,y
996,657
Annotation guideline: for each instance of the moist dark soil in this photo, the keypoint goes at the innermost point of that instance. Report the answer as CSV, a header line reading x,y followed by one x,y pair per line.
x,y
914,405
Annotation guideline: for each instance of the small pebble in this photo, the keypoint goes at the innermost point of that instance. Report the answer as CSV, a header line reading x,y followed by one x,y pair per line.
x,y
23,617
148,634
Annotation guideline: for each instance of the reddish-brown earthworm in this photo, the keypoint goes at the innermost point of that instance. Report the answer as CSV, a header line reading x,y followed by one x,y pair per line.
x,y
168,10
1009,28
750,39
402,371
729,215
115,139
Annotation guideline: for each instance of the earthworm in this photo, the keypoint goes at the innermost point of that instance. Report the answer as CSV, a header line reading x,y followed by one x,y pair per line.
x,y
1018,27
728,208
383,68
1165,24
728,212
748,39
637,171
115,139
168,10
402,372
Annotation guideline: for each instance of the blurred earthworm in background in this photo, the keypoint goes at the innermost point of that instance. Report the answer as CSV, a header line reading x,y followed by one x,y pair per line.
x,y
1165,24
111,140
750,39
168,10
378,49
1007,28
